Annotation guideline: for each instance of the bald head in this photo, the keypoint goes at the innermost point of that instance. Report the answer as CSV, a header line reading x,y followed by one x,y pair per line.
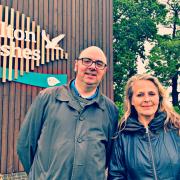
x,y
94,52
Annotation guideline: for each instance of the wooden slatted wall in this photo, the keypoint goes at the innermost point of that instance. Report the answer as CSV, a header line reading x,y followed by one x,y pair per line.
x,y
85,23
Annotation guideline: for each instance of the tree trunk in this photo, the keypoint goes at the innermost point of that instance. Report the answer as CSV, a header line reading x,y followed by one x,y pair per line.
x,y
175,78
174,90
175,23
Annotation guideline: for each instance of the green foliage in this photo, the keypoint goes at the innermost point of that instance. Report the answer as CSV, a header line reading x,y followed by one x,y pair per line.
x,y
120,108
134,22
164,59
177,109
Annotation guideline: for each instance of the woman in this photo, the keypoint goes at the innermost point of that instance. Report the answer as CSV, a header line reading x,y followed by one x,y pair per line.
x,y
147,146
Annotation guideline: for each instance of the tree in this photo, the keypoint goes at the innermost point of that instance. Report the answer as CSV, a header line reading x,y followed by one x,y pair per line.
x,y
134,22
164,59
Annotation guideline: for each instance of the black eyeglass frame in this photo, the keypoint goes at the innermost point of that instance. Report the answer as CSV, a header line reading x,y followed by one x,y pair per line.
x,y
95,62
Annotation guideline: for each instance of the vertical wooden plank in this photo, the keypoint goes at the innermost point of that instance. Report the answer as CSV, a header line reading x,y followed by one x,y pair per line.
x,y
50,4
1,119
11,45
60,31
52,56
10,163
89,22
111,49
5,43
14,87
41,23
1,12
23,87
73,38
36,18
27,42
108,83
93,20
46,27
14,4
85,24
42,51
56,29
104,42
64,14
5,119
1,16
41,13
31,9
17,43
22,110
22,45
46,16
65,26
32,90
3,2
33,24
33,45
16,105
38,41
77,32
37,46
5,111
81,25
9,3
17,123
26,8
47,52
11,95
97,23
55,32
69,33
100,30
36,11
1,97
28,87
21,6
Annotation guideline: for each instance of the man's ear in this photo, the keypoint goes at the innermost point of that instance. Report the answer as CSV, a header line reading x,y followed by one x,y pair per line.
x,y
106,69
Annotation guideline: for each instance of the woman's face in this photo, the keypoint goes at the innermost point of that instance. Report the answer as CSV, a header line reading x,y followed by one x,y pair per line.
x,y
145,99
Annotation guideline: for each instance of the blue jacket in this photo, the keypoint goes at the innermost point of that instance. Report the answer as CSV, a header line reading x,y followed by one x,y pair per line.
x,y
59,141
146,154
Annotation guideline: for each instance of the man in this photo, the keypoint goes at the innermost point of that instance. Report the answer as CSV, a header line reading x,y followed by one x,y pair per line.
x,y
67,132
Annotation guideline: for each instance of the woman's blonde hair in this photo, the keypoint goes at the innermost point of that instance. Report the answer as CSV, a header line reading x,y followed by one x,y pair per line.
x,y
164,104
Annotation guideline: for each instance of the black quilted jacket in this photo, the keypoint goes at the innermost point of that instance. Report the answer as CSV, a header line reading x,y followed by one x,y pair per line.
x,y
146,154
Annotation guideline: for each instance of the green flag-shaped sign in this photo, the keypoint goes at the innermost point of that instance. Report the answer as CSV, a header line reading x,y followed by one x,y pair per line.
x,y
40,80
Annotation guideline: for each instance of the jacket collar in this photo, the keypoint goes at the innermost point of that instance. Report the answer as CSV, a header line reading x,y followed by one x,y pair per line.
x,y
63,93
133,125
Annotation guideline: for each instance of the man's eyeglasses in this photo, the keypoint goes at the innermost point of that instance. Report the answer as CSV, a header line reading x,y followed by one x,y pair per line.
x,y
88,62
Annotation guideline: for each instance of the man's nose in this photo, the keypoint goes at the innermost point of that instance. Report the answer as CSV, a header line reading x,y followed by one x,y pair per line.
x,y
93,65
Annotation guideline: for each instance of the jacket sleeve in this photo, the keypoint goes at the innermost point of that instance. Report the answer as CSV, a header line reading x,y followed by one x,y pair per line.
x,y
30,132
113,115
117,169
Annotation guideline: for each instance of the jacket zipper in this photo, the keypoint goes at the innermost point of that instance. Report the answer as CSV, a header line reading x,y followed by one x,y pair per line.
x,y
151,152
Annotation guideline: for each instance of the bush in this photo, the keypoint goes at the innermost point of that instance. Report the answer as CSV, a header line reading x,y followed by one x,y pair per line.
x,y
176,108
120,108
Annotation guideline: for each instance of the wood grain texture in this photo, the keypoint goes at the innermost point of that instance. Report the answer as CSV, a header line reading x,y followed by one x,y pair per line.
x,y
84,23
